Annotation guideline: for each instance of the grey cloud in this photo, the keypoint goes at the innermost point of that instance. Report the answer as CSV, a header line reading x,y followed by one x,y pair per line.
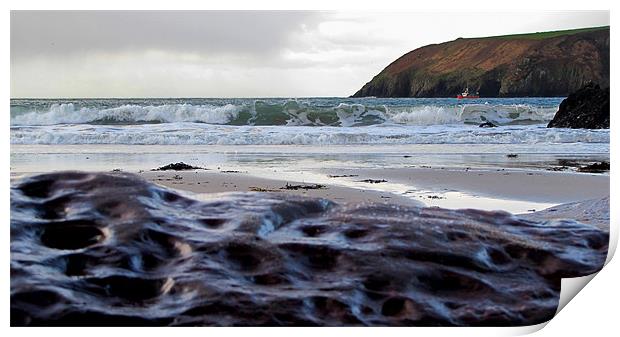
x,y
49,33
236,53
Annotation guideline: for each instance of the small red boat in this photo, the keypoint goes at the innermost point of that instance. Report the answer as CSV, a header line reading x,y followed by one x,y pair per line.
x,y
466,95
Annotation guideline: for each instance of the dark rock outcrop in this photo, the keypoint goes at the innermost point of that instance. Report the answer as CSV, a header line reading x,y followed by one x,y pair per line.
x,y
541,64
587,108
112,249
487,125
180,166
595,168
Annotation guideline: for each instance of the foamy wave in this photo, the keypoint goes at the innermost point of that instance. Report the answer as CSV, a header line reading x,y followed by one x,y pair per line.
x,y
471,114
169,113
197,134
425,115
288,113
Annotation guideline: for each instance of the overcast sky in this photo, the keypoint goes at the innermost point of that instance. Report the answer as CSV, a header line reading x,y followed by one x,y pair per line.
x,y
236,53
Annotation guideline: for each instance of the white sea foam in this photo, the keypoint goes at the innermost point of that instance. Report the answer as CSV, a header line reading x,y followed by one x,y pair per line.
x,y
168,113
472,114
290,113
196,133
425,115
308,121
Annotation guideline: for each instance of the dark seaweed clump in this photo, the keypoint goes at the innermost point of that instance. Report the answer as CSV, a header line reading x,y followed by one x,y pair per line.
x,y
306,187
595,168
180,166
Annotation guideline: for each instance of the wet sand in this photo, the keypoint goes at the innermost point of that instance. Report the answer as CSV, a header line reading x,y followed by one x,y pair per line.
x,y
514,191
434,174
531,185
217,182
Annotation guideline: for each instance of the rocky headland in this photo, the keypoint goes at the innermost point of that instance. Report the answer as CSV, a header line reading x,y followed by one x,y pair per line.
x,y
547,64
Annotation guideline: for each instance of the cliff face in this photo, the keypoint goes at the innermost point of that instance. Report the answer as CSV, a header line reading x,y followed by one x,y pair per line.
x,y
540,64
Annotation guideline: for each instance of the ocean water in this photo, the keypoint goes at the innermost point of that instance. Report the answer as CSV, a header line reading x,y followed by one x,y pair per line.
x,y
289,121
301,140
141,254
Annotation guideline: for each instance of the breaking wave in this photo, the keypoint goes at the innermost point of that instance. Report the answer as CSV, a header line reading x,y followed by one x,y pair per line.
x,y
284,113
284,121
128,114
206,134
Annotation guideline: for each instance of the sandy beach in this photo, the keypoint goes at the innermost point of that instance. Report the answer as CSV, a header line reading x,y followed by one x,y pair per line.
x,y
515,191
202,182
449,176
531,185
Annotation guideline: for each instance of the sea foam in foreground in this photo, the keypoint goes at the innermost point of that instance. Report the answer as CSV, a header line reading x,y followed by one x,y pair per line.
x,y
112,249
